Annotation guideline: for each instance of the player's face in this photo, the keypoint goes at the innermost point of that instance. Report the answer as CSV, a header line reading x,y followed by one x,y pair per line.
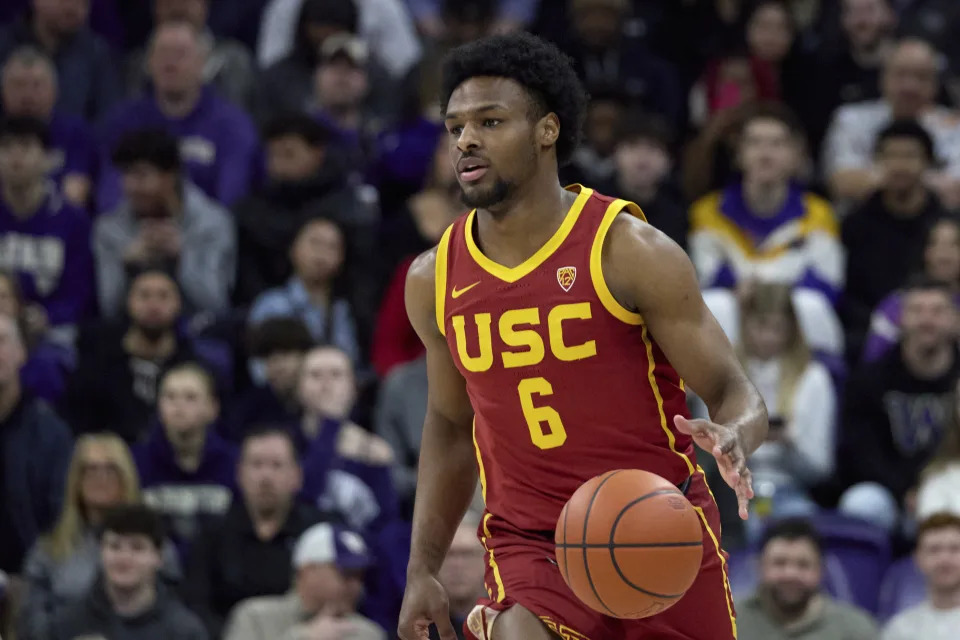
x,y
929,319
865,21
903,162
910,79
492,139
766,335
768,152
23,161
938,557
769,33
28,90
791,573
942,253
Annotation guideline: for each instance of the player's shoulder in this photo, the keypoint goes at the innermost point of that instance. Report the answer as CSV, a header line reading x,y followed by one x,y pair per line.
x,y
423,269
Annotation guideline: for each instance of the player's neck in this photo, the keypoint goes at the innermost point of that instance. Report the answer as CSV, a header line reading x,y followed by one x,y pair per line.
x,y
765,199
515,230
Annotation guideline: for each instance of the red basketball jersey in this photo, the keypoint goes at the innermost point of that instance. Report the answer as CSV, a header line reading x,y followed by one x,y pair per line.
x,y
565,382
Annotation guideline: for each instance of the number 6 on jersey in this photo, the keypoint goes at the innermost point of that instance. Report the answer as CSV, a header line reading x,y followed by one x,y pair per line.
x,y
553,434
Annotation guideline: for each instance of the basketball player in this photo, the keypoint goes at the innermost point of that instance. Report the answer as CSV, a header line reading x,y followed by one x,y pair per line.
x,y
560,329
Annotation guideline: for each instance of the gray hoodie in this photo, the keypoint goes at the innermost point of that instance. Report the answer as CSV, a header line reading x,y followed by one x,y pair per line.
x,y
208,255
94,617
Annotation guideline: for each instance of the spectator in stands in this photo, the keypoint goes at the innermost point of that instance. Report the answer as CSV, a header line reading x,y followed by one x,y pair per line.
x,y
287,82
279,344
385,24
938,557
767,228
64,563
164,221
341,85
941,262
608,58
799,394
128,600
305,180
312,294
885,236
119,366
347,469
28,88
330,562
44,240
44,375
401,410
228,67
894,413
939,489
414,229
35,449
644,164
433,19
247,552
218,142
187,470
89,83
462,573
909,84
868,27
789,603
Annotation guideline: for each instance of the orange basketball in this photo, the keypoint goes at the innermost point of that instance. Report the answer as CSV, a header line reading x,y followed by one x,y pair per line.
x,y
629,544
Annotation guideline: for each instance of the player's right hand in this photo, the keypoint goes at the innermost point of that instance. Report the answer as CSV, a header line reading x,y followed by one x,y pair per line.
x,y
424,602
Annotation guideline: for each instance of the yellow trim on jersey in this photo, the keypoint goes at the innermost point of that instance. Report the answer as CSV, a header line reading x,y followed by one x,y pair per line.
x,y
610,303
728,593
443,249
651,376
501,594
512,274
483,476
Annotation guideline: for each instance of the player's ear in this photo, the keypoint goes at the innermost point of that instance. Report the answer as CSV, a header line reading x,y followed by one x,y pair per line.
x,y
548,130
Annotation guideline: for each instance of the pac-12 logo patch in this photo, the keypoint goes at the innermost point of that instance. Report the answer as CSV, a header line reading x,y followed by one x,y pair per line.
x,y
566,276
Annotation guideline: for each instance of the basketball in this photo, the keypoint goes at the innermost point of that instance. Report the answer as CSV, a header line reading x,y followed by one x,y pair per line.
x,y
629,544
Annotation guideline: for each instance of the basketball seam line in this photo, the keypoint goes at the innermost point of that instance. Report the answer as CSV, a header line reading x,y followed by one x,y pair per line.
x,y
612,545
586,561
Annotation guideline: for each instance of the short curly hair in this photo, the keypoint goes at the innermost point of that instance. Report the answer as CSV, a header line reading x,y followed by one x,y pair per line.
x,y
542,69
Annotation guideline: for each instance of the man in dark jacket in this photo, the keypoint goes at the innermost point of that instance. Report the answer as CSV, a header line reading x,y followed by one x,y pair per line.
x,y
35,447
128,602
119,369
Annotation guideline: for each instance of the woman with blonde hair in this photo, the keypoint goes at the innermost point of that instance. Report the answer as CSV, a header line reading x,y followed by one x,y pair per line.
x,y
64,563
800,397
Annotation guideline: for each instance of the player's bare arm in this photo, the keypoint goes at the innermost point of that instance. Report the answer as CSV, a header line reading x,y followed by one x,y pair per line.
x,y
650,274
447,474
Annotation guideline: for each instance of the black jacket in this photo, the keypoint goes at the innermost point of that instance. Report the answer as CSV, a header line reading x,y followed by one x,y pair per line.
x,y
94,616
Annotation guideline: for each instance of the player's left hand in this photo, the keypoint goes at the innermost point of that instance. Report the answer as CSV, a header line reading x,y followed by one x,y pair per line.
x,y
723,442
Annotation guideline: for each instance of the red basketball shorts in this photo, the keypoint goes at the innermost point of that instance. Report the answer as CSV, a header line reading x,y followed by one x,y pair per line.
x,y
522,571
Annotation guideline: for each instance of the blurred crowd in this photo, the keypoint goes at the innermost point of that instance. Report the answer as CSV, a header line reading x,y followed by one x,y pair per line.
x,y
211,397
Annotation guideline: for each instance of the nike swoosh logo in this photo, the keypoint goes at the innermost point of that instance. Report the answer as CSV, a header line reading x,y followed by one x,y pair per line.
x,y
457,293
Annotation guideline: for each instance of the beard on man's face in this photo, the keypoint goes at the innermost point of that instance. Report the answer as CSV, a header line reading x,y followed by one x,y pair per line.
x,y
152,331
484,198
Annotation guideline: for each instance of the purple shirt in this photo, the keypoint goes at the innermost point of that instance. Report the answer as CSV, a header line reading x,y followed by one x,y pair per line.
x,y
50,254
72,146
219,146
